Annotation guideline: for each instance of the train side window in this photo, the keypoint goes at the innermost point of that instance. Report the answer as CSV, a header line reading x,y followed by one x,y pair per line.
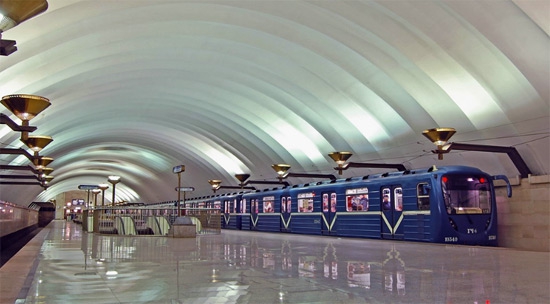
x,y
269,204
283,204
423,195
305,202
357,199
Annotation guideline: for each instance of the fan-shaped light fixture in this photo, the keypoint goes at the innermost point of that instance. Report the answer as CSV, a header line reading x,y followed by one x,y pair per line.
x,y
440,137
242,177
42,162
340,158
46,171
24,106
14,12
281,170
215,183
103,187
37,142
114,179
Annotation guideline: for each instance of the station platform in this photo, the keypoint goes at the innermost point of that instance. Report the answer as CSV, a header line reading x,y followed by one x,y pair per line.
x,y
63,264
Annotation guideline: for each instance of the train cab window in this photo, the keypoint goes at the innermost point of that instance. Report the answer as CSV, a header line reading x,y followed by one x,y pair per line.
x,y
269,204
423,196
235,208
466,194
305,202
243,205
357,199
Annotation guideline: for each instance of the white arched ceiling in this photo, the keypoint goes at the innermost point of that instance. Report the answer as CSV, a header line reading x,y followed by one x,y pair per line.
x,y
228,87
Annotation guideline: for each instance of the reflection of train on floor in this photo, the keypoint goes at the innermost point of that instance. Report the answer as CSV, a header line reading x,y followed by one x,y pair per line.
x,y
454,204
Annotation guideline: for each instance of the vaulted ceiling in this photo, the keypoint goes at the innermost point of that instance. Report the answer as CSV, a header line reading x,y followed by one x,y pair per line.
x,y
225,87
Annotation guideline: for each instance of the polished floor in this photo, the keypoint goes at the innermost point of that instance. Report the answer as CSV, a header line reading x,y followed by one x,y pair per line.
x,y
250,267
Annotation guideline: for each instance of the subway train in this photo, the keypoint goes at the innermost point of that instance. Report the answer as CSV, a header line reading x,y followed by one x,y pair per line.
x,y
451,205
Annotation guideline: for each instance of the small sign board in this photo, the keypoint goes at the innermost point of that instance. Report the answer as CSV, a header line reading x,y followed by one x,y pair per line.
x,y
182,189
88,187
178,169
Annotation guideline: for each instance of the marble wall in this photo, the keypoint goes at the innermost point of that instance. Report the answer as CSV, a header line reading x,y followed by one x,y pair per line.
x,y
524,219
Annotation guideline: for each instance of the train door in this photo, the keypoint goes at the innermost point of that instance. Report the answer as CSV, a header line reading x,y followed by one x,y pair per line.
x,y
254,213
237,203
391,200
329,213
285,213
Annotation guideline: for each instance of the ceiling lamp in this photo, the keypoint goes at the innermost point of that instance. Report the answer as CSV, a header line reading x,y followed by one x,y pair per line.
x,y
38,142
14,12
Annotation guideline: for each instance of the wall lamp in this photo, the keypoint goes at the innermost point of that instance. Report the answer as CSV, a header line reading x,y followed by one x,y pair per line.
x,y
37,143
441,136
12,13
216,185
42,162
341,157
243,182
25,107
42,180
282,173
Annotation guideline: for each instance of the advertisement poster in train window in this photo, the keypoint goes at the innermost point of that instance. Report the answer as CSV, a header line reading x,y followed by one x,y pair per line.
x,y
269,204
305,202
357,199
283,204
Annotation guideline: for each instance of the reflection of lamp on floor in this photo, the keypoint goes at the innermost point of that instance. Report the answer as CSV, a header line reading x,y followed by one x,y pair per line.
x,y
111,271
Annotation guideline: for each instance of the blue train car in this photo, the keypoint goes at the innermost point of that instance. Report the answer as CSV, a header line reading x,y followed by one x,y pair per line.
x,y
232,211
454,204
450,205
268,209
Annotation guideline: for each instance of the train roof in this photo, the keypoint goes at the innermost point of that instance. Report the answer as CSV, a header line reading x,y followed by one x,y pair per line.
x,y
444,169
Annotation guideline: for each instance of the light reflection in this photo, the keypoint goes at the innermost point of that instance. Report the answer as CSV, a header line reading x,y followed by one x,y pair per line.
x,y
371,274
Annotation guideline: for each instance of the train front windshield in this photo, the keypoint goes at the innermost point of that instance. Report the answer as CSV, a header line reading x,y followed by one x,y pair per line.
x,y
466,194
